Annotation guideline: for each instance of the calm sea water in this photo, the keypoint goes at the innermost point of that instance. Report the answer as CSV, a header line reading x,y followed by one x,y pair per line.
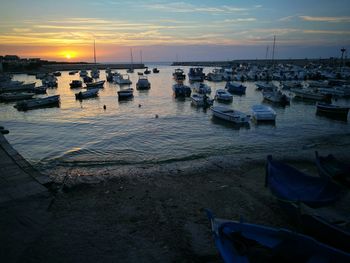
x,y
84,134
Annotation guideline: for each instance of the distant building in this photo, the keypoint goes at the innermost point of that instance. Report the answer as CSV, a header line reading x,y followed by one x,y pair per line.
x,y
11,58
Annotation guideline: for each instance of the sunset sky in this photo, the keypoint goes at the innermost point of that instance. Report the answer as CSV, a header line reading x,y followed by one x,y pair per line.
x,y
170,30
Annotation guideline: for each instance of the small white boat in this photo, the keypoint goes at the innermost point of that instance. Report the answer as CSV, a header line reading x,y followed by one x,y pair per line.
x,y
277,97
263,113
201,88
229,114
223,95
122,79
143,83
201,100
125,93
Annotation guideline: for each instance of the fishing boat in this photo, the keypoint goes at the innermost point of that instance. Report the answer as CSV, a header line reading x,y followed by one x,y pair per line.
x,y
223,95
181,90
265,86
147,71
97,84
263,113
16,96
202,88
331,168
91,93
216,75
276,97
95,73
39,90
143,83
309,94
17,87
76,84
87,79
332,110
288,183
83,73
125,94
230,115
196,74
179,74
57,73
38,103
311,201
244,242
73,72
49,81
235,87
201,100
155,70
122,79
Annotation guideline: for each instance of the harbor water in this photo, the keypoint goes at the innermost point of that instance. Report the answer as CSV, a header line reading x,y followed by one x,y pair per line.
x,y
155,127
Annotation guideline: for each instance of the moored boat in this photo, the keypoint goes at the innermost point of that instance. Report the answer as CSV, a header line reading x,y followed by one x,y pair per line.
x,y
122,79
196,74
235,87
181,90
200,100
265,86
125,93
38,103
229,114
97,84
244,242
179,74
309,94
143,83
17,87
76,84
263,113
223,95
155,70
91,93
276,97
202,88
332,110
16,96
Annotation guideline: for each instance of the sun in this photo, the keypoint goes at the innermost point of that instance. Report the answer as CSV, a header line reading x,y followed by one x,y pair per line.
x,y
68,54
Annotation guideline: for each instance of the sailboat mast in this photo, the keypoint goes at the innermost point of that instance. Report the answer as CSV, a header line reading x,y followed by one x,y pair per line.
x,y
273,50
132,61
94,52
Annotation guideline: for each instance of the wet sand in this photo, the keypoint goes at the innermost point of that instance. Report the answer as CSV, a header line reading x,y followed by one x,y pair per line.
x,y
153,213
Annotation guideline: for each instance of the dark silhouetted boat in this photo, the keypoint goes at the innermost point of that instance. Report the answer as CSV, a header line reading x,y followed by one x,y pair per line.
x,y
91,93
332,111
244,242
51,101
235,87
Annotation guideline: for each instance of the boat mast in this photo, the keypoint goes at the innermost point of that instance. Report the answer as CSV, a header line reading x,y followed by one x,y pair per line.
x,y
267,52
94,52
132,61
273,50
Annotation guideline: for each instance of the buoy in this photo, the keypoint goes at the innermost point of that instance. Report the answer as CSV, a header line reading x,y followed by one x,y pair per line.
x,y
4,131
156,116
139,105
104,107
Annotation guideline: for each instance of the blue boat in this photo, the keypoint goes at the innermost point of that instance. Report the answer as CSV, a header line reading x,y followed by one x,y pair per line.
x,y
313,202
330,167
288,183
181,90
235,87
243,242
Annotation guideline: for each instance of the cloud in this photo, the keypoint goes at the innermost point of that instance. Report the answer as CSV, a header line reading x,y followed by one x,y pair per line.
x,y
181,7
330,19
286,18
237,20
330,32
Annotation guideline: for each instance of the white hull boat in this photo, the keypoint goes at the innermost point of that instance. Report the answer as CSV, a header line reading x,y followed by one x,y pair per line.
x,y
263,113
231,115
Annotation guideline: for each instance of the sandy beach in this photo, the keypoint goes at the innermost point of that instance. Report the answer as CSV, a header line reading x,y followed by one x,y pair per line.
x,y
149,213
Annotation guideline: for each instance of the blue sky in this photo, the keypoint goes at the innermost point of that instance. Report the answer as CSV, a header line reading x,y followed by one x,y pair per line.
x,y
166,30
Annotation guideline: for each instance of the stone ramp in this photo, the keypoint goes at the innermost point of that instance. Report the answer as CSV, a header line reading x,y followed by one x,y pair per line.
x,y
18,179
